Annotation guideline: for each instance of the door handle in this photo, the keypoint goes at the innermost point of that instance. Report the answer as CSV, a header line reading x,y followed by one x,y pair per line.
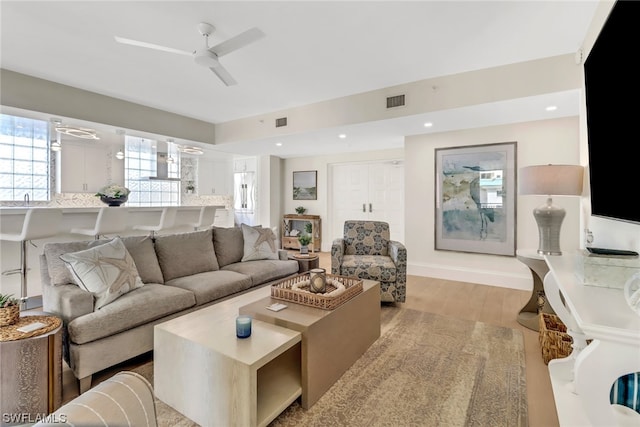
x,y
364,207
370,210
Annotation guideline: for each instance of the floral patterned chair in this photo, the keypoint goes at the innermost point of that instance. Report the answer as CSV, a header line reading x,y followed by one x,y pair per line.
x,y
366,251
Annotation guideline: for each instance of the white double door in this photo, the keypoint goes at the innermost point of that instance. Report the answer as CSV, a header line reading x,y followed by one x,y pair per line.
x,y
368,191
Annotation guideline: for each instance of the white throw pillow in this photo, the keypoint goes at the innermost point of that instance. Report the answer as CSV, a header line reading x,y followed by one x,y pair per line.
x,y
107,271
259,243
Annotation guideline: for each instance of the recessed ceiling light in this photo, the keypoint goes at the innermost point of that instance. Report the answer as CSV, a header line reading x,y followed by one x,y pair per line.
x,y
551,108
342,136
278,144
428,124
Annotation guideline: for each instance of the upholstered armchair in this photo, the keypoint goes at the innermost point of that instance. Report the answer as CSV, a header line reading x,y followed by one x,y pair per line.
x,y
366,251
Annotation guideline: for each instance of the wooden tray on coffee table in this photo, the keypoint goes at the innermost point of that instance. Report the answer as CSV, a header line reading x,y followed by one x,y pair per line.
x,y
285,290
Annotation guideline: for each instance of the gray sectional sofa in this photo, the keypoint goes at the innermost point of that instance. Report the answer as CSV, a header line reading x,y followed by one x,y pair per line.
x,y
179,273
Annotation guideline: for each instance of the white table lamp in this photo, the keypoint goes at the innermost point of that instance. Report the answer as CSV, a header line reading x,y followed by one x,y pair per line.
x,y
559,180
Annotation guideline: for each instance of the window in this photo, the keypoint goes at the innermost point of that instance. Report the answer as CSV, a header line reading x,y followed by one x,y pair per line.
x,y
141,162
24,159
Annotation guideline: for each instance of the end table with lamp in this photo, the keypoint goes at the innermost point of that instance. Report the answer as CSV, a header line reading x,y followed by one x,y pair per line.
x,y
528,315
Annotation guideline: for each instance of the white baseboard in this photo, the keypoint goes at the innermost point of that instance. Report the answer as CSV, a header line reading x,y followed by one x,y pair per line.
x,y
472,275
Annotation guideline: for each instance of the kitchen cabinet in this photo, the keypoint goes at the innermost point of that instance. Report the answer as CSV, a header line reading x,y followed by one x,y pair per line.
x,y
245,164
83,168
214,177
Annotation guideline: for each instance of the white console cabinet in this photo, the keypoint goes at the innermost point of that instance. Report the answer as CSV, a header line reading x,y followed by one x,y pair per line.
x,y
582,382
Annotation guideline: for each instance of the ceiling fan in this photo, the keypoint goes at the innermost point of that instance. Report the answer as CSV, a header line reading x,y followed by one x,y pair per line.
x,y
207,56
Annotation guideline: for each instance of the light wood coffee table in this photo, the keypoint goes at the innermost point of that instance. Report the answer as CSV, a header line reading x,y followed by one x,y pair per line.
x,y
332,340
204,371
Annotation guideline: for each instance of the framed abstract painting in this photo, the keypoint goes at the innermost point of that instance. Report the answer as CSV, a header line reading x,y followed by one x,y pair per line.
x,y
475,206
305,185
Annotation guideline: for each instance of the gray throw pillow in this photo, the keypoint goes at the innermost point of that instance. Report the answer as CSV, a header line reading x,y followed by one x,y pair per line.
x,y
185,254
228,244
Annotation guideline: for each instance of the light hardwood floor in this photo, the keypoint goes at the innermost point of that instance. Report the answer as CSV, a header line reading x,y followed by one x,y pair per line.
x,y
489,304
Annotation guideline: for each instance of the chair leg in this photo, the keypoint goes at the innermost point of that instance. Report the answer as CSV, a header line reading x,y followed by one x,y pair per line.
x,y
23,275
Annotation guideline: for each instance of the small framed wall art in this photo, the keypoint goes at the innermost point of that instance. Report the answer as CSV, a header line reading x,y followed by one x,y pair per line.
x,y
475,202
305,185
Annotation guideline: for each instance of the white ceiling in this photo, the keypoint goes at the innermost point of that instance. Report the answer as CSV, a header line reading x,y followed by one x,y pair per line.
x,y
312,51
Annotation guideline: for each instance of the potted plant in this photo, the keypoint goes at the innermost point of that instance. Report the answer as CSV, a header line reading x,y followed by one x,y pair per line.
x,y
300,210
9,309
304,240
113,195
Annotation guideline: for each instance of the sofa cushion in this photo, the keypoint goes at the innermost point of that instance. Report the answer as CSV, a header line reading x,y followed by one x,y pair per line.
x,y
107,271
138,307
144,254
366,238
259,243
184,254
372,267
212,285
263,271
58,271
228,244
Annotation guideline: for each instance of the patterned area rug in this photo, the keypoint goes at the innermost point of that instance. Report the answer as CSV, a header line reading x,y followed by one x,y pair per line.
x,y
424,370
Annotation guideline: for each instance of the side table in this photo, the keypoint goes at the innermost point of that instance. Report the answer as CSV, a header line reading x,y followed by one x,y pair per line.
x,y
31,368
528,316
306,263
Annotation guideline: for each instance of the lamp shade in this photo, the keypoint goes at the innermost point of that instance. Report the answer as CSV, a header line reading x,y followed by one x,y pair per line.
x,y
558,180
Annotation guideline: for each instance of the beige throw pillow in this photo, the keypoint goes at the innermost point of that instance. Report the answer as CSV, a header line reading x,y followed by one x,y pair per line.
x,y
259,243
107,271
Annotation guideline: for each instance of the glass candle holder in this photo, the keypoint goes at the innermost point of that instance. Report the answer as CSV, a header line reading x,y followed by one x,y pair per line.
x,y
243,326
317,280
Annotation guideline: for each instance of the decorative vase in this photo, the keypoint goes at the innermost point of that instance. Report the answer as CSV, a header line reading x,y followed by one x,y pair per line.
x,y
9,315
113,201
317,280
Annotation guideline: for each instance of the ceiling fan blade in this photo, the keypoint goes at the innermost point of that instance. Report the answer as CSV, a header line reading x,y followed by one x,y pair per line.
x,y
152,46
224,75
237,42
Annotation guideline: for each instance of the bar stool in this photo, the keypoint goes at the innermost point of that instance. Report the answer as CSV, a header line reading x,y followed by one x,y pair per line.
x,y
167,220
39,223
206,218
110,220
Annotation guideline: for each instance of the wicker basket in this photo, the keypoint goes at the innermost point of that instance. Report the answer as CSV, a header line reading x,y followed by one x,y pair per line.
x,y
554,340
9,315
283,291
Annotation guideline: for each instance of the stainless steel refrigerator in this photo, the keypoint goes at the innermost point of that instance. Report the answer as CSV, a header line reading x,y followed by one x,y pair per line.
x,y
244,198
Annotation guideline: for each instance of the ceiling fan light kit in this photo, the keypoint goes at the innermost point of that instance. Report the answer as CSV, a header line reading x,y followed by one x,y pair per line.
x,y
207,56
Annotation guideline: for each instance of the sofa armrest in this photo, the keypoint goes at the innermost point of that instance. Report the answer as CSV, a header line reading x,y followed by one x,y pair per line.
x,y
283,254
337,254
125,399
66,301
398,253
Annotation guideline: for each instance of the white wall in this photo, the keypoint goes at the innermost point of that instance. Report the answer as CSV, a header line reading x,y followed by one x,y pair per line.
x,y
607,233
541,142
321,164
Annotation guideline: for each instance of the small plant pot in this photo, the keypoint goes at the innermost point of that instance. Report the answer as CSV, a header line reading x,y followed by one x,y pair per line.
x,y
9,315
304,249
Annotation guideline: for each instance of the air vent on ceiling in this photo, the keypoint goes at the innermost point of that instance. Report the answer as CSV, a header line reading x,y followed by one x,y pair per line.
x,y
395,101
281,122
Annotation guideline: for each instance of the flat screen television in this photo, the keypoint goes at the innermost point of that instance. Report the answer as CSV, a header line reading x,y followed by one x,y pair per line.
x,y
612,91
